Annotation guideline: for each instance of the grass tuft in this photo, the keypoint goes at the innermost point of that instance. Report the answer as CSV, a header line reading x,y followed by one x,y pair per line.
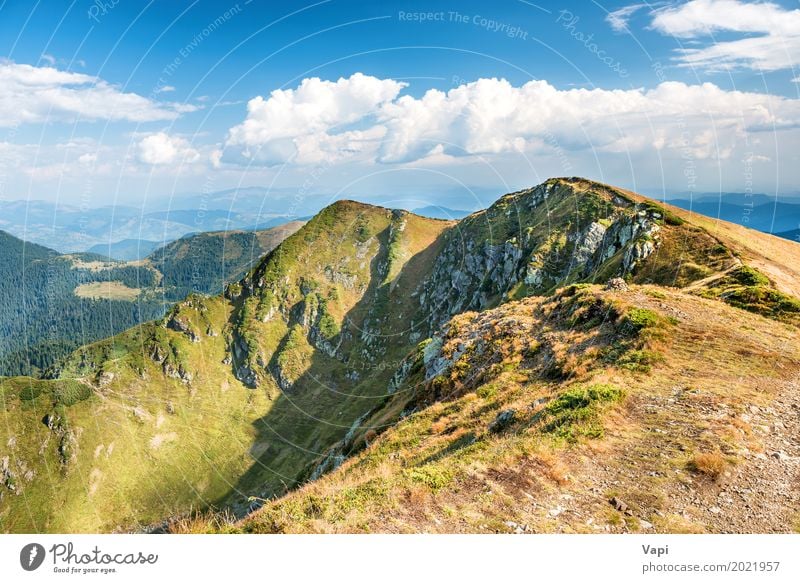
x,y
711,464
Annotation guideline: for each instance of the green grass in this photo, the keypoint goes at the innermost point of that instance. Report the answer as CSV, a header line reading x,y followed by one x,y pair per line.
x,y
639,360
70,392
576,413
668,217
748,276
432,476
488,391
748,289
638,319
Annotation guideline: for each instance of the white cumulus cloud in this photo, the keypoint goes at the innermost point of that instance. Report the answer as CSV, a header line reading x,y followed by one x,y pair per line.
x,y
495,120
161,148
292,122
491,116
31,94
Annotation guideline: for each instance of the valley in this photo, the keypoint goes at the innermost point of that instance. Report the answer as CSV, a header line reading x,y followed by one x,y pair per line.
x,y
52,303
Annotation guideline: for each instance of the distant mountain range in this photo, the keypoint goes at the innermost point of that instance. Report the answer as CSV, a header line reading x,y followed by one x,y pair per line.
x,y
756,212
124,232
125,250
793,235
130,233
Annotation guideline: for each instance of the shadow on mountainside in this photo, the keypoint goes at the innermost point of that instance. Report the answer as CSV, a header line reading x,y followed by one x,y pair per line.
x,y
322,405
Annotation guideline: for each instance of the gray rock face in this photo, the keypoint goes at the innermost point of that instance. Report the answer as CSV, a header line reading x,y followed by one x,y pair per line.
x,y
636,253
347,281
588,243
433,359
178,324
637,235
281,378
466,278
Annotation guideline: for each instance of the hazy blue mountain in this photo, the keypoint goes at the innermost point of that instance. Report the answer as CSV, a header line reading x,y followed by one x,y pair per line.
x,y
769,217
793,235
126,250
69,229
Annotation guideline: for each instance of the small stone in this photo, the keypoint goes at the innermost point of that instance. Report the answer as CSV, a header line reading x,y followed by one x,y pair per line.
x,y
503,420
715,510
618,504
617,284
645,525
780,456
539,402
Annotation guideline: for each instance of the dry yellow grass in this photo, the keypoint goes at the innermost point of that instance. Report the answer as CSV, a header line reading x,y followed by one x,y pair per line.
x,y
710,464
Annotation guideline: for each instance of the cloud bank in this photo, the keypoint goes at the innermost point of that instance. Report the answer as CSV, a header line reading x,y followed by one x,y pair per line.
x,y
161,148
30,94
365,118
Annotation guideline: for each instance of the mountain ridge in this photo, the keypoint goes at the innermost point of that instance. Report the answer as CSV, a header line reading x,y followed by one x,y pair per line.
x,y
319,349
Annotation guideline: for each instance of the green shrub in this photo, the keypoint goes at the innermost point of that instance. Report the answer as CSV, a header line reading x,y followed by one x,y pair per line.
x,y
431,476
69,392
746,275
31,391
673,219
638,319
328,327
487,391
639,360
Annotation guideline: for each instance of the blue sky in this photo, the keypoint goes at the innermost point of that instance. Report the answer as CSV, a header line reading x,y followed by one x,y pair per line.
x,y
129,100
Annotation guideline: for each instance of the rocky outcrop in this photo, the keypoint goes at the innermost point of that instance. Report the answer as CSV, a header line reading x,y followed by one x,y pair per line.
x,y
179,324
539,252
467,277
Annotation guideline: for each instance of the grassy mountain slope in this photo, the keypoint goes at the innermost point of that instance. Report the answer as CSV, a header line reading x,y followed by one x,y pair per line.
x,y
646,378
592,410
404,343
185,432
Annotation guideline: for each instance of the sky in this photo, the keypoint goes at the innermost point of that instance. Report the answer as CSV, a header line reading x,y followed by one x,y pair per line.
x,y
131,102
